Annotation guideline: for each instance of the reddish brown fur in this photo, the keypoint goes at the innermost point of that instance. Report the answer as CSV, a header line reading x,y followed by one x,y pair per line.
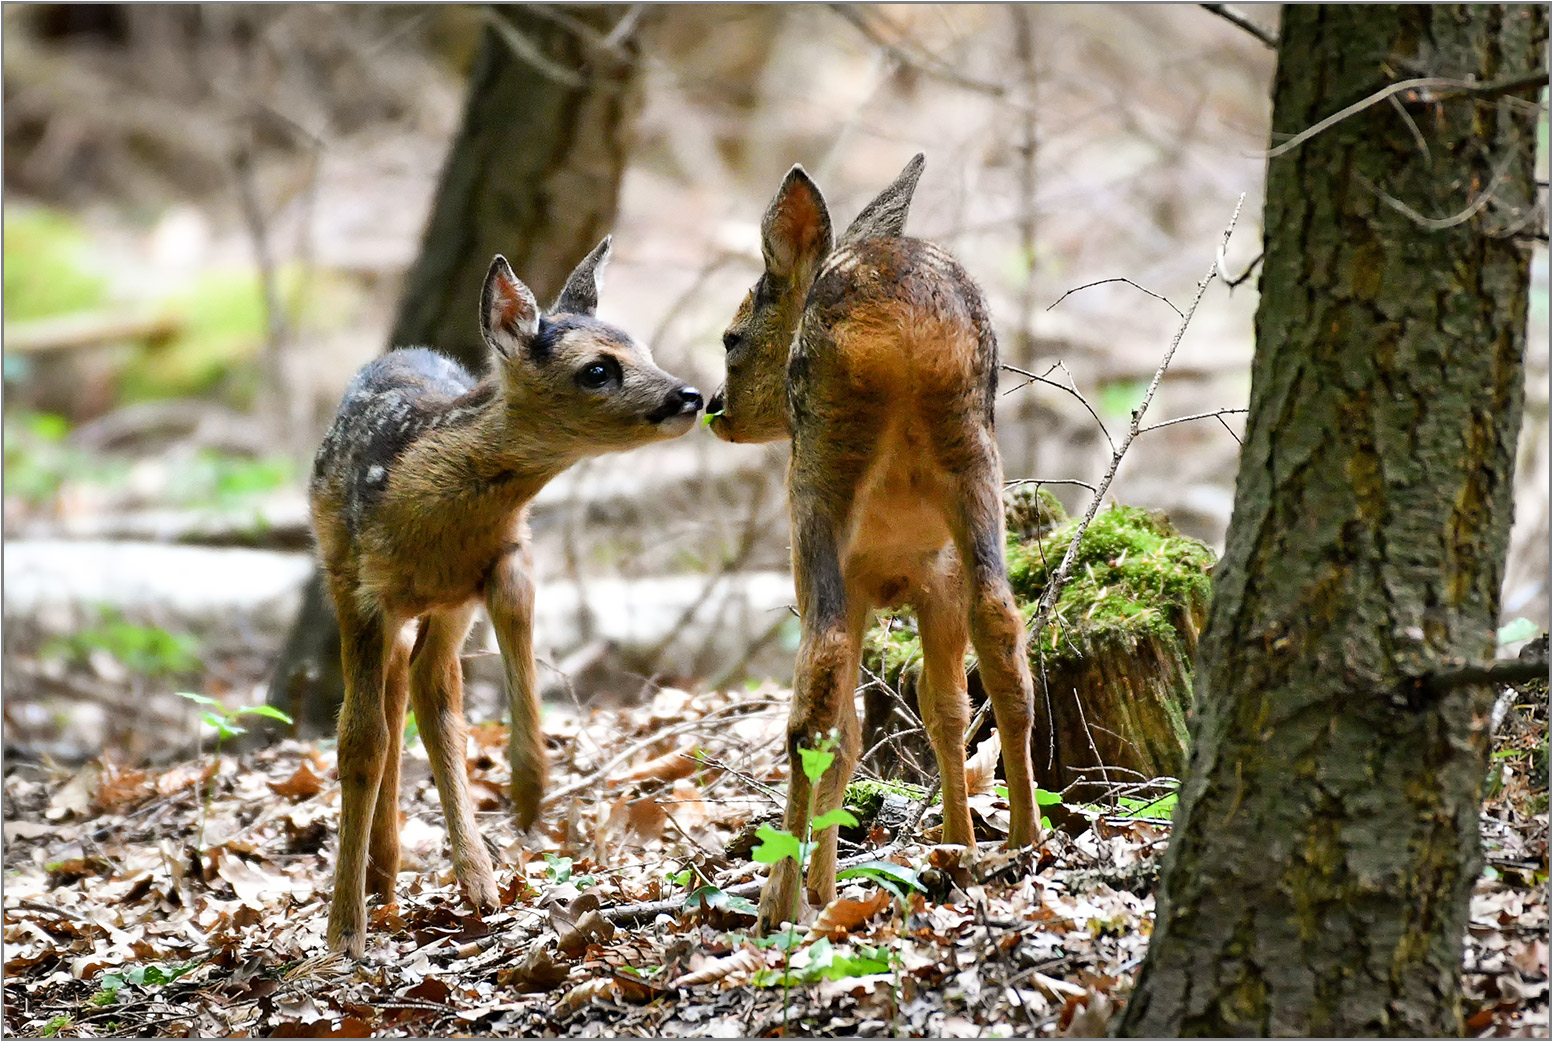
x,y
880,362
419,495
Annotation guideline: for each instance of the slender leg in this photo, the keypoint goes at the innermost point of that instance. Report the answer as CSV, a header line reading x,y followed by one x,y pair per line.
x,y
823,680
832,789
362,748
383,852
437,692
997,632
941,621
509,597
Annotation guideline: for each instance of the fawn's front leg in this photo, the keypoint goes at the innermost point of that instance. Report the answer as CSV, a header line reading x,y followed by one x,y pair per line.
x,y
509,597
437,691
822,684
362,750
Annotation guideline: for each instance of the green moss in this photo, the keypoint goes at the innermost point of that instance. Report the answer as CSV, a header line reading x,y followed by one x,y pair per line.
x,y
1133,576
866,797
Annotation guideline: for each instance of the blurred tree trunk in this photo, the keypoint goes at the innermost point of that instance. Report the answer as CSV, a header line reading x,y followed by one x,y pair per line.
x,y
1326,840
534,174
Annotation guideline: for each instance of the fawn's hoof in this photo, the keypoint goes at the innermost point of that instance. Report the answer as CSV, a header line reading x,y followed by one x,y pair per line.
x,y
779,901
479,886
348,930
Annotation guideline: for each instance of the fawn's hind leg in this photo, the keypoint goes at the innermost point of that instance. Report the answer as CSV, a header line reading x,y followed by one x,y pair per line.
x,y
361,753
941,622
997,632
383,850
437,692
509,597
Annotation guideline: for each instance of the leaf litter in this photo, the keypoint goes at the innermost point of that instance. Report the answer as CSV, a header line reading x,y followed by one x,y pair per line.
x,y
629,910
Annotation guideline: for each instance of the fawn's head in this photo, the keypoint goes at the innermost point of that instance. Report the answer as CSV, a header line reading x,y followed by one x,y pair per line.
x,y
795,241
587,385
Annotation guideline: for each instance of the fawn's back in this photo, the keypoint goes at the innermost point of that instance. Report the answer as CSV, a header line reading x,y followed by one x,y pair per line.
x,y
895,364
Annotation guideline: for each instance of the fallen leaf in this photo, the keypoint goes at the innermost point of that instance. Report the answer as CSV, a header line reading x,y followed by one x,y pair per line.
x,y
537,972
745,960
303,783
982,765
843,915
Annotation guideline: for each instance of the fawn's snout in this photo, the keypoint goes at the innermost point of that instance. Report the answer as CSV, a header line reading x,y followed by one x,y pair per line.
x,y
678,409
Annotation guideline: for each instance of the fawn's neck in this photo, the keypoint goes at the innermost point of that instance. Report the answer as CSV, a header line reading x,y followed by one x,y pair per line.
x,y
499,446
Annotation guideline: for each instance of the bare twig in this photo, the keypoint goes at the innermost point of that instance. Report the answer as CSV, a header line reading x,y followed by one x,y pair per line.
x,y
593,778
1430,88
1059,579
1103,282
925,64
1243,276
1442,223
1510,671
1240,21
528,52
1015,483
1216,413
1031,378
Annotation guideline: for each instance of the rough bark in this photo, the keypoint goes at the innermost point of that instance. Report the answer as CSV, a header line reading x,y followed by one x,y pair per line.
x,y
533,174
1326,839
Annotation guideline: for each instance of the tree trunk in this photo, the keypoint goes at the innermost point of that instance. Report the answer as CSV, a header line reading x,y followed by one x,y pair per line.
x,y
533,174
1326,840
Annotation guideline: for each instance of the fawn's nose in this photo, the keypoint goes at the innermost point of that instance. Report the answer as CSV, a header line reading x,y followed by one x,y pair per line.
x,y
689,399
716,404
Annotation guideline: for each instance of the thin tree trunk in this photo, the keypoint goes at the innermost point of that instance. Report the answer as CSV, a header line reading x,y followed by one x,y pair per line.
x,y
533,174
1326,840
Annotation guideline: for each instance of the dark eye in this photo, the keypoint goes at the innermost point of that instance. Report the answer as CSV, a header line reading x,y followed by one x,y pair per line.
x,y
594,376
731,341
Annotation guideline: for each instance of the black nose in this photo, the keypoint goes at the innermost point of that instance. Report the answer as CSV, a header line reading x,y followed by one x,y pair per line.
x,y
690,399
716,404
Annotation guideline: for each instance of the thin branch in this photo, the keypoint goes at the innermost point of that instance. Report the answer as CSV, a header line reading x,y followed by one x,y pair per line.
x,y
1059,579
1442,223
1430,88
925,64
1232,283
1103,282
528,52
1016,482
1509,671
1074,391
1195,416
1240,21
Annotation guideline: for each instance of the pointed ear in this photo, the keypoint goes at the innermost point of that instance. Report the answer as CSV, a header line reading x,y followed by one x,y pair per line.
x,y
580,296
509,315
885,217
795,233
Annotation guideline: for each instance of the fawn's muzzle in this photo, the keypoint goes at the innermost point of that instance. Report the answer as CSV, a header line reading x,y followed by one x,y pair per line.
x,y
684,402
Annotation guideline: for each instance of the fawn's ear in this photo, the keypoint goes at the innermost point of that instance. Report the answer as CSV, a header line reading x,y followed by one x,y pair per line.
x,y
795,233
509,315
885,217
580,295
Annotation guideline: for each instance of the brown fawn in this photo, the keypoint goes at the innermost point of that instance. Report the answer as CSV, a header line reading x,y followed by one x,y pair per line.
x,y
878,359
419,499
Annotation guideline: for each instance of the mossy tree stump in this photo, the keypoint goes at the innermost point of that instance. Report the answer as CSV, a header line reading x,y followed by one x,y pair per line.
x,y
1112,667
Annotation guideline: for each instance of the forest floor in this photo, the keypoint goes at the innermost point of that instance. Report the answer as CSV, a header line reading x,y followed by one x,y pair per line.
x,y
135,906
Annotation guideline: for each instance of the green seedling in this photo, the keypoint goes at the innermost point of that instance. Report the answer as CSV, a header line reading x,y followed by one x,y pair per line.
x,y
224,722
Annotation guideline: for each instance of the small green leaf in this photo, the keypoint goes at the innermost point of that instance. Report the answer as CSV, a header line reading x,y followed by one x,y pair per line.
x,y
1046,799
775,845
711,897
839,816
815,763
880,871
1517,630
269,711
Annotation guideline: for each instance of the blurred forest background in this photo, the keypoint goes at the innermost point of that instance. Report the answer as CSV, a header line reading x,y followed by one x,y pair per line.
x,y
210,212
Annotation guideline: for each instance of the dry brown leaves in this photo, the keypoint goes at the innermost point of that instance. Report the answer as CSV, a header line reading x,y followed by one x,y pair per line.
x,y
118,920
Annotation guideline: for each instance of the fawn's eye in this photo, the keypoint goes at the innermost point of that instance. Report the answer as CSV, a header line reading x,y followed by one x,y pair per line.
x,y
594,376
731,341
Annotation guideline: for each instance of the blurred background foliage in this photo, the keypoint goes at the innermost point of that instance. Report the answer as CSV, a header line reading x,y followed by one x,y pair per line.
x,y
210,211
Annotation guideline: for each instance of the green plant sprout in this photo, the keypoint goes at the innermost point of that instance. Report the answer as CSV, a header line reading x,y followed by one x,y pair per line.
x,y
226,726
